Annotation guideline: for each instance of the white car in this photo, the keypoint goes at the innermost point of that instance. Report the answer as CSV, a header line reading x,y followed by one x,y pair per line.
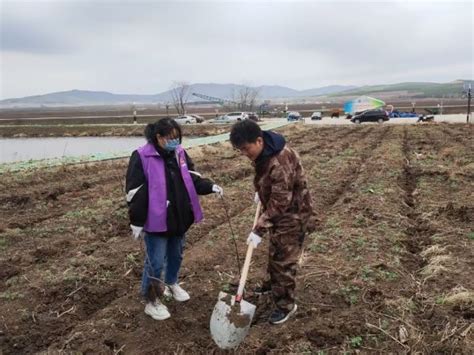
x,y
199,119
316,115
237,116
186,119
221,120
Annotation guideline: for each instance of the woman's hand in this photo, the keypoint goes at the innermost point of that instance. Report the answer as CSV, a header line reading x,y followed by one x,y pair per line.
x,y
218,190
137,232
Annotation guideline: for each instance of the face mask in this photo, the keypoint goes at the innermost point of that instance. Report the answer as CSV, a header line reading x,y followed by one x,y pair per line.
x,y
171,145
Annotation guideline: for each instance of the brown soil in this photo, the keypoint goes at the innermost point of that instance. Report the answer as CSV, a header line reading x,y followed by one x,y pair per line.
x,y
85,130
389,269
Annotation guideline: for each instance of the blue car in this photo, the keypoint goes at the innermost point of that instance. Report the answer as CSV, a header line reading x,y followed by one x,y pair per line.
x,y
294,116
396,113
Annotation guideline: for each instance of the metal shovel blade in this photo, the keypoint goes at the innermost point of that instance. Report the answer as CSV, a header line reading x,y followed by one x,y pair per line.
x,y
230,321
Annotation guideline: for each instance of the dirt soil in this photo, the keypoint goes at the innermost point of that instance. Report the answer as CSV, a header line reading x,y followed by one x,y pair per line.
x,y
87,130
388,270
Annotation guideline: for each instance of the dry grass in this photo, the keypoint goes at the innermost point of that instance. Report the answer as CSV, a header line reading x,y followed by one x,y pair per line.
x,y
403,305
432,270
459,296
448,152
196,152
465,297
433,250
436,265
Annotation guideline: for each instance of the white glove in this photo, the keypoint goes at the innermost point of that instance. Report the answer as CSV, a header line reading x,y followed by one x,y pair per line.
x,y
137,232
254,239
256,199
218,190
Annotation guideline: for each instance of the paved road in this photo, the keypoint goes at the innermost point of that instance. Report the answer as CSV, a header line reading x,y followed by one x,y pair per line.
x,y
457,118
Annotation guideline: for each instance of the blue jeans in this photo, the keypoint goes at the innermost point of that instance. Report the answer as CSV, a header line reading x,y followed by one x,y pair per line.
x,y
162,253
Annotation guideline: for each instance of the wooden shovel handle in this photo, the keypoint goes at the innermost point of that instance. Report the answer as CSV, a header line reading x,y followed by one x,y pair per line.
x,y
248,256
257,214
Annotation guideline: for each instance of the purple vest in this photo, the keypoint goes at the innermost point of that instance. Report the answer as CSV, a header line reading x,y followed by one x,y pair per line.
x,y
154,169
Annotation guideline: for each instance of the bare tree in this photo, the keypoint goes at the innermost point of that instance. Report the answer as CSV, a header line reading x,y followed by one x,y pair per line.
x,y
246,97
180,96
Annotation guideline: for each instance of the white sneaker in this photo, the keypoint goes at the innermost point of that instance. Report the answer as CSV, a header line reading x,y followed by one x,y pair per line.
x,y
177,292
157,310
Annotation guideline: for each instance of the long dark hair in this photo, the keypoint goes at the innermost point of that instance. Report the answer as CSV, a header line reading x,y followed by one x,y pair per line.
x,y
163,127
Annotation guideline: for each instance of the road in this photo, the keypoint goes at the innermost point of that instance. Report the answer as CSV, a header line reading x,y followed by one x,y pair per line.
x,y
456,118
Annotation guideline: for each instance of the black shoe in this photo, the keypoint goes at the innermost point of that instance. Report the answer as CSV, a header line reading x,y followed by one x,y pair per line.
x,y
279,316
263,290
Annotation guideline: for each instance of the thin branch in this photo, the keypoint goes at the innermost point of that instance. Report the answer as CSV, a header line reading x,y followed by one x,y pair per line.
x,y
387,334
76,290
65,312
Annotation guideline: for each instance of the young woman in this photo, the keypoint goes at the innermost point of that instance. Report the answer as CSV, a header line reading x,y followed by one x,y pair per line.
x,y
162,189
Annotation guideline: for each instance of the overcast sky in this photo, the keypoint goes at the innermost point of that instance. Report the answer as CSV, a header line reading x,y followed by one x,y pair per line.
x,y
141,47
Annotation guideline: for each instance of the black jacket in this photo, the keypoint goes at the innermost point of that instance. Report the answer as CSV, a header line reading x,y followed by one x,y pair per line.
x,y
180,214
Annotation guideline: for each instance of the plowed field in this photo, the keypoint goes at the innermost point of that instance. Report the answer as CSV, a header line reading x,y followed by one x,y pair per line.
x,y
389,268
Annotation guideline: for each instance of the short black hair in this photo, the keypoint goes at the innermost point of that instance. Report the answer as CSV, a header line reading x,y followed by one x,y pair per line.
x,y
244,132
163,127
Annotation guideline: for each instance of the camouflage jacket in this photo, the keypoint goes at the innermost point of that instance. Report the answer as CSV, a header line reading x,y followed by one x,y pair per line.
x,y
282,188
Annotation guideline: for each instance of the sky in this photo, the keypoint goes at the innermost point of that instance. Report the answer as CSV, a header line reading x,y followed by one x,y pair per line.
x,y
143,47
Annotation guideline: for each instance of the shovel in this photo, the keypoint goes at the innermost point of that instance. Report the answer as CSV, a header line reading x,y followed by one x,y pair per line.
x,y
231,318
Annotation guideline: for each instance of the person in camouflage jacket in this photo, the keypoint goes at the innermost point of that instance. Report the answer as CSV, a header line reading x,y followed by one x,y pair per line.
x,y
287,215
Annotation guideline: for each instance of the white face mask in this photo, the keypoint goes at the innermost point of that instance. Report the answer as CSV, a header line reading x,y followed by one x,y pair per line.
x,y
171,145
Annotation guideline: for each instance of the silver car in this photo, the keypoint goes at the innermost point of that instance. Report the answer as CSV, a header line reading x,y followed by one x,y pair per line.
x,y
237,116
185,119
221,120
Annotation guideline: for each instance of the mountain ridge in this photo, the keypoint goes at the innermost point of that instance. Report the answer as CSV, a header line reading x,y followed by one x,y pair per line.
x,y
77,97
222,91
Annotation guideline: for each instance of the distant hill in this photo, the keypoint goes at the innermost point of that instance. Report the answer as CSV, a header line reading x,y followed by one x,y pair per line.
x,y
76,97
228,91
224,91
327,90
412,89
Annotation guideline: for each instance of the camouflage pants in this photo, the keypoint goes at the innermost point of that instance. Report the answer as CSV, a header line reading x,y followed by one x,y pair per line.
x,y
284,252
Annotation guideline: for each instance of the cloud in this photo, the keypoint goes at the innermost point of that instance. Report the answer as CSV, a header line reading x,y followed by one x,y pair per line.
x,y
142,47
28,28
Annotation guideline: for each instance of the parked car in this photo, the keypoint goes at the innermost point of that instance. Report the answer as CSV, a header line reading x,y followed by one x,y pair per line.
x,y
237,116
294,116
396,113
316,115
224,119
199,119
379,116
185,119
253,116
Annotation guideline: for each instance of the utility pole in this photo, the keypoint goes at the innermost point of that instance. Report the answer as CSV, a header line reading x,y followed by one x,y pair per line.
x,y
134,112
468,103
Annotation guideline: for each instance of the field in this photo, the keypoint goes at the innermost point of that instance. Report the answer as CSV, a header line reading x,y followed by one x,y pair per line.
x,y
388,270
98,130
